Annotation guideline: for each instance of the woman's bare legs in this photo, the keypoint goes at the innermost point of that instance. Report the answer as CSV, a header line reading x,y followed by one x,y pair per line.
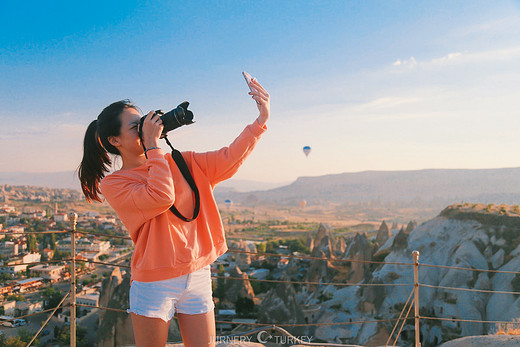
x,y
197,329
149,332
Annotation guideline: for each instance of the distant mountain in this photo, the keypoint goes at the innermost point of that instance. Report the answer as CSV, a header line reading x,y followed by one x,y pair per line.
x,y
64,179
69,179
248,186
421,187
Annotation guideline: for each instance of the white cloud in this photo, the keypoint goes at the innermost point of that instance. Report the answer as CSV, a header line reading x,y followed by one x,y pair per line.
x,y
478,57
410,62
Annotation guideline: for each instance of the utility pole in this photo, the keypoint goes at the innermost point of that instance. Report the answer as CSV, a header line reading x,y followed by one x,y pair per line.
x,y
416,297
74,218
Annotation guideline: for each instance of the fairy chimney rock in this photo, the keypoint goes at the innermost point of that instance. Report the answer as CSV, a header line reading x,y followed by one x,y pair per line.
x,y
323,242
383,234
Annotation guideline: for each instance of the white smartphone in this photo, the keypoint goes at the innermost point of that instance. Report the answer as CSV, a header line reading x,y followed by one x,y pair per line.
x,y
248,78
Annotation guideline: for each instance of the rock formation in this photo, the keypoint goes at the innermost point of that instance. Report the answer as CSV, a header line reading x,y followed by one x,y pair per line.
x,y
323,247
409,228
359,249
458,238
236,288
115,328
280,305
383,234
309,243
243,260
400,240
340,247
323,243
319,271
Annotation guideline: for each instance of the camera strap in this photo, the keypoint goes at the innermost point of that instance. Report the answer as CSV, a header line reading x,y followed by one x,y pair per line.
x,y
181,164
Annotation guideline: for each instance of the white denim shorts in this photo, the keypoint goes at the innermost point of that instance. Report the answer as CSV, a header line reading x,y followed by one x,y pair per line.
x,y
190,294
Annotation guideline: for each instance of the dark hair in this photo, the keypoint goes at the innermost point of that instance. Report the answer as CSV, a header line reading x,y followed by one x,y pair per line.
x,y
96,161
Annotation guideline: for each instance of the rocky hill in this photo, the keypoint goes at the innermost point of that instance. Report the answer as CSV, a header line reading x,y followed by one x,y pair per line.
x,y
426,188
471,236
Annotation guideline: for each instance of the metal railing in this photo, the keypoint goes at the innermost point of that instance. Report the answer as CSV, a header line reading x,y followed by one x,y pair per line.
x,y
413,299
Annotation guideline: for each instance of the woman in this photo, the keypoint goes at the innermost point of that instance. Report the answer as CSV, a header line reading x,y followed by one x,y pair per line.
x,y
170,268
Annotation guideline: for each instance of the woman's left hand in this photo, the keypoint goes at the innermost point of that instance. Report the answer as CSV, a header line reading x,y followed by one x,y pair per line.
x,y
261,96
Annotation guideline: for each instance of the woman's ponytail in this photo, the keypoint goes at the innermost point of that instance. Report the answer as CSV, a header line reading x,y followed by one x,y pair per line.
x,y
96,161
94,164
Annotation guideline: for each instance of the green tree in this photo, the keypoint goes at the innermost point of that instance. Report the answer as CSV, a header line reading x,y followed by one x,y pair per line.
x,y
14,341
62,335
26,336
82,265
220,291
267,265
58,255
15,297
53,242
52,298
260,247
4,278
32,244
262,287
245,307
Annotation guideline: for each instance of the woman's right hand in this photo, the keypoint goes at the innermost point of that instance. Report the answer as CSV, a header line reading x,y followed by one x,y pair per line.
x,y
152,130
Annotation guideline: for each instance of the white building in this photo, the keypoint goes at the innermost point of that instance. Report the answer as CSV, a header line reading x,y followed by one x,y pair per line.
x,y
24,307
31,258
84,244
48,272
7,208
88,299
18,264
9,248
13,269
16,229
61,217
9,307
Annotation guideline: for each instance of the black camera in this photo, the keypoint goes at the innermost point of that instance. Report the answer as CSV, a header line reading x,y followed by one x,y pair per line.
x,y
174,119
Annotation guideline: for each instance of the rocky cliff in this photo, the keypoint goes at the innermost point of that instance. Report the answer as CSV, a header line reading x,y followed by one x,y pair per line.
x,y
236,288
281,305
115,328
466,236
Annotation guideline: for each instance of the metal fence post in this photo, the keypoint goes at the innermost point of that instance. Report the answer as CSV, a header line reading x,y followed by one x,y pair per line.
x,y
416,297
74,218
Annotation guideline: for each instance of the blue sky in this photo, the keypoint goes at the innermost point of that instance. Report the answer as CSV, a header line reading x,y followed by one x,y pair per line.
x,y
369,85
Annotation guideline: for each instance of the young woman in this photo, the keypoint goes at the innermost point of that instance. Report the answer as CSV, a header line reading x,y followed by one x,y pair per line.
x,y
170,268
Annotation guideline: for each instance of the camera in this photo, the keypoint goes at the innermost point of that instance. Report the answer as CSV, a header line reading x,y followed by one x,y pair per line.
x,y
173,119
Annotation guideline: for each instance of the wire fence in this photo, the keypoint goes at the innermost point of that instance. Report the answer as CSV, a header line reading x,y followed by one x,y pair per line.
x,y
401,320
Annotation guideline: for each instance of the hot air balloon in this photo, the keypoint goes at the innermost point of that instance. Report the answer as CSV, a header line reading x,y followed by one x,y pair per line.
x,y
306,150
228,203
303,203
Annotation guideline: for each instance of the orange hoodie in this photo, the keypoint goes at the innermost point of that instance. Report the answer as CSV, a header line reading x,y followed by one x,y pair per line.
x,y
166,246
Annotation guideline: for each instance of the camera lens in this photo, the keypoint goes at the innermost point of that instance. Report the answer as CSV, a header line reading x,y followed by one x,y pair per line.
x,y
173,119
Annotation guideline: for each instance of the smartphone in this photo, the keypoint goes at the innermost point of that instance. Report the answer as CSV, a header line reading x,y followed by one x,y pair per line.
x,y
248,79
